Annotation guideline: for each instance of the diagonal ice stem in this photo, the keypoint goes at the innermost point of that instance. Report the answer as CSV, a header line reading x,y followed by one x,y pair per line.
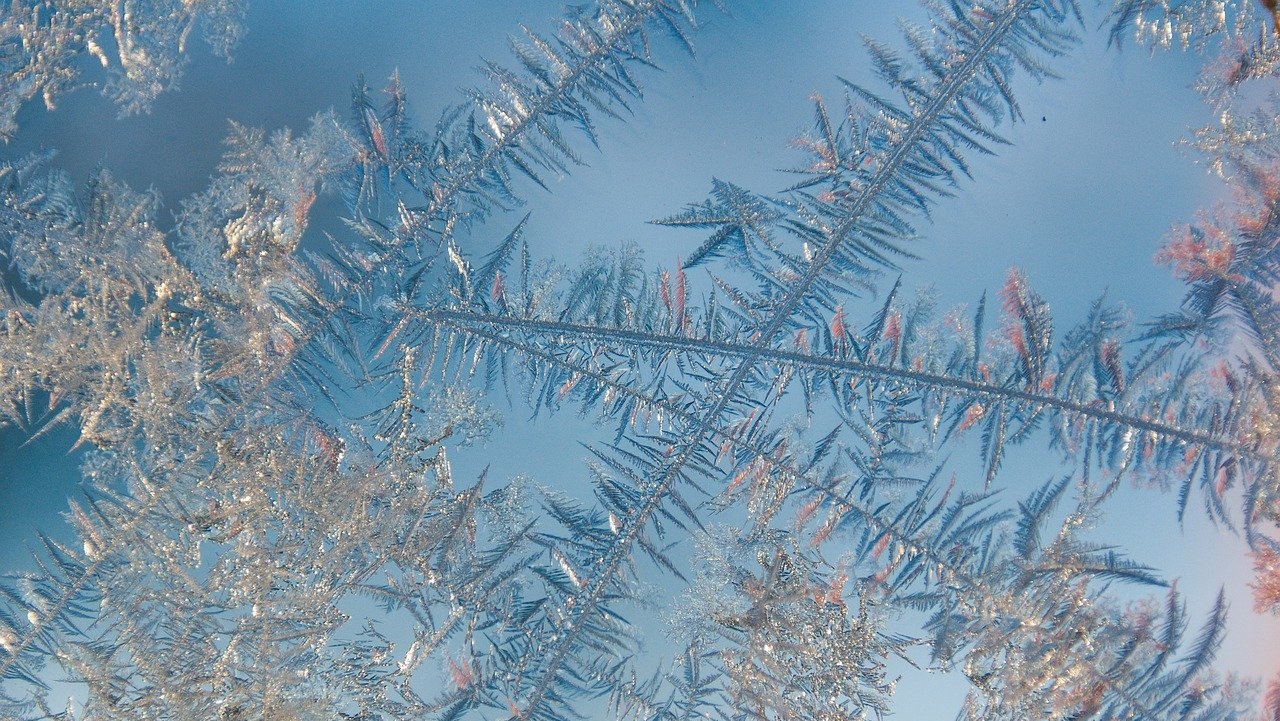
x,y
663,478
467,321
114,540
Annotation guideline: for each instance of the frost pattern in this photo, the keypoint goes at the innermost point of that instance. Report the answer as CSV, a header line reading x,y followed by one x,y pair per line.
x,y
270,418
141,43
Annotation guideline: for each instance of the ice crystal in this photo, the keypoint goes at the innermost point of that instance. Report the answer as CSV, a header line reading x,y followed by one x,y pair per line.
x,y
141,44
274,528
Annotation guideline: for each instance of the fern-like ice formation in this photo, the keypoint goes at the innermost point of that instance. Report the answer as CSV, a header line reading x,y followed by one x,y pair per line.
x,y
270,424
141,44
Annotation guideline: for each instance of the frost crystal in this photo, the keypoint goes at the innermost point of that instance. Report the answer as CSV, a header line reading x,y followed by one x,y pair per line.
x,y
274,528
